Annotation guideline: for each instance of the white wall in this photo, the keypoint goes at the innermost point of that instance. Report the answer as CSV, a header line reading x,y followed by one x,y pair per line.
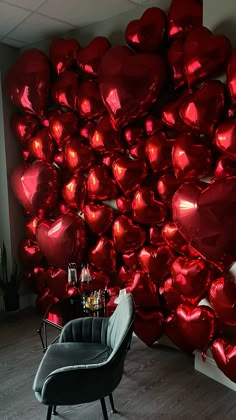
x,y
220,17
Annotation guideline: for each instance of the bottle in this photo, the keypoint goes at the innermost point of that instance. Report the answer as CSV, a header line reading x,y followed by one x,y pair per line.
x,y
72,274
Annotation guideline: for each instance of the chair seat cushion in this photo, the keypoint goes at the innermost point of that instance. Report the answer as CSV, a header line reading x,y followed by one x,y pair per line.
x,y
69,354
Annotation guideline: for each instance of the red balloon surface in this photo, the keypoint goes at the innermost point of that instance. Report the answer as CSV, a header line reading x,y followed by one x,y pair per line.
x,y
127,236
30,253
89,58
224,167
172,296
63,126
41,146
74,191
133,134
63,240
45,301
36,187
153,124
129,173
184,15
124,204
224,352
166,187
131,260
105,138
222,296
173,238
129,83
78,156
170,113
158,152
225,138
57,282
27,82
90,103
146,209
23,127
155,236
63,53
144,291
138,150
65,91
147,33
156,261
175,57
30,228
148,325
231,77
98,217
103,255
100,184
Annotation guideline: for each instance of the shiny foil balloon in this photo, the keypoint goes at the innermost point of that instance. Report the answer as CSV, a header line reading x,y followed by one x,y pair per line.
x,y
190,158
126,276
207,222
175,57
173,238
65,91
202,110
30,253
225,138
127,236
138,150
131,260
200,45
155,235
104,138
99,280
30,228
90,103
191,327
24,127
224,353
170,113
143,290
167,184
231,77
146,34
27,82
41,146
156,261
191,277
45,301
222,296
98,217
36,187
146,208
89,58
57,282
103,255
129,173
171,295
153,124
148,325
108,159
133,134
74,191
129,83
158,152
63,126
87,129
100,184
63,53
37,278
184,15
78,156
224,167
62,240
124,204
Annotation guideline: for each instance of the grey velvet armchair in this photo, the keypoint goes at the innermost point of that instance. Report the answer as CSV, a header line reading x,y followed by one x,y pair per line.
x,y
87,362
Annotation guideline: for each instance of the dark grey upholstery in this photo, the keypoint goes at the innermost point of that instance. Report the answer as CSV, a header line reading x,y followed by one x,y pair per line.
x,y
87,362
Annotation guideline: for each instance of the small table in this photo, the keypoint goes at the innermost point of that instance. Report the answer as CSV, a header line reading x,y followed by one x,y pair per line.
x,y
63,311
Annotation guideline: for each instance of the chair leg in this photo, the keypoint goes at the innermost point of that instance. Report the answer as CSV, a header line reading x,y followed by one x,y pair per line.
x,y
49,413
104,409
112,404
54,410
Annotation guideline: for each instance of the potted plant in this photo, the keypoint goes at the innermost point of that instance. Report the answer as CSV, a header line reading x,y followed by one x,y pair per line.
x,y
9,284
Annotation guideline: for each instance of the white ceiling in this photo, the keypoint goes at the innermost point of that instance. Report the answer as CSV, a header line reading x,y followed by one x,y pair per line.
x,y
23,22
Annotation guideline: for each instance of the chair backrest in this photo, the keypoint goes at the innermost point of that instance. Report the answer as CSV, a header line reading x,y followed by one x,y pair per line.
x,y
121,322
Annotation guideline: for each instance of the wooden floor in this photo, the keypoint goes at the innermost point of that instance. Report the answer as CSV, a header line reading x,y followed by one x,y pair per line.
x,y
158,383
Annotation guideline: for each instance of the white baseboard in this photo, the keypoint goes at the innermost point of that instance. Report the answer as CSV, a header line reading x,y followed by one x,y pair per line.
x,y
210,369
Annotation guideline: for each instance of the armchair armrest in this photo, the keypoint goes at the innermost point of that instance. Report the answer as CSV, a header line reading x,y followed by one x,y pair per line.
x,y
91,329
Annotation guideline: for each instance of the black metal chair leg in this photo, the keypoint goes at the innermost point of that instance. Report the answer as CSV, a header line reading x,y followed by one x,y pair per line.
x,y
112,404
49,413
54,410
104,409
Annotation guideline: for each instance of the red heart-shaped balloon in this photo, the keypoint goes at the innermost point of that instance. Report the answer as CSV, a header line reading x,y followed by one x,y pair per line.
x,y
156,261
108,159
225,138
202,110
65,90
87,129
144,291
191,327
158,152
30,228
167,184
27,82
30,253
224,167
36,279
24,127
63,240
190,158
45,301
104,138
146,34
63,125
155,236
126,235
56,281
98,217
231,76
36,187
199,47
129,173
90,103
99,280
124,204
146,209
224,352
63,53
133,134
171,295
100,184
170,113
41,146
173,238
207,222
74,191
89,58
103,255
138,150
153,124
126,276
78,156
175,57
148,325
191,277
129,83
131,260
183,15
222,297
